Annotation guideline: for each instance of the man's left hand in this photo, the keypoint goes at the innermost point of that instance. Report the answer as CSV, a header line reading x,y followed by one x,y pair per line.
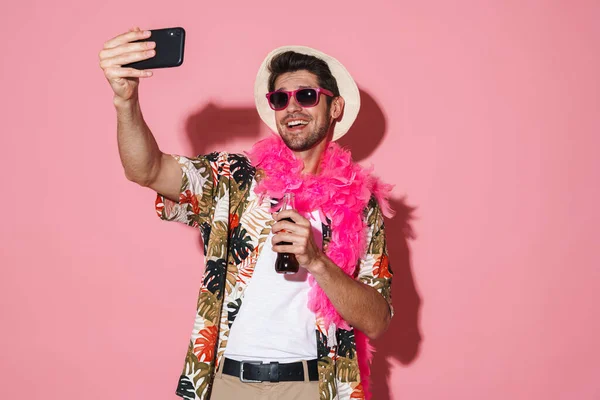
x,y
299,233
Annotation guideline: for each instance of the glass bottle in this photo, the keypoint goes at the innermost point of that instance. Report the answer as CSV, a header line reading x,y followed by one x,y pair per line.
x,y
286,263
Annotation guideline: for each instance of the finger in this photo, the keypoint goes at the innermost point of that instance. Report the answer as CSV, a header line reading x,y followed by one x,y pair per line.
x,y
126,58
285,248
126,38
284,226
290,227
126,48
288,238
115,73
293,215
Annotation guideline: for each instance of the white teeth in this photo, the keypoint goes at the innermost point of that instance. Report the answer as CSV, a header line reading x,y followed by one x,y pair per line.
x,y
296,123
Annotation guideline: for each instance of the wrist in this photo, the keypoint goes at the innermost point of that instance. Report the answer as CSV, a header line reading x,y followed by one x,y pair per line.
x,y
127,105
318,265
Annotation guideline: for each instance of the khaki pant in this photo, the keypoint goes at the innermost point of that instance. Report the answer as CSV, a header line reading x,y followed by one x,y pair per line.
x,y
227,387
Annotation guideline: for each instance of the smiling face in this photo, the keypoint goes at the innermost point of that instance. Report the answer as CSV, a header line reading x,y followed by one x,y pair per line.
x,y
303,128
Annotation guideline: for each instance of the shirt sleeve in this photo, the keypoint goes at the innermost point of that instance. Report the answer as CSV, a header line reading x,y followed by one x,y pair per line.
x,y
197,194
374,269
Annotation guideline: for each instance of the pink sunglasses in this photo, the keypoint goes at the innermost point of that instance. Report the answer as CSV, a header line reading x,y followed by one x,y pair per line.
x,y
306,97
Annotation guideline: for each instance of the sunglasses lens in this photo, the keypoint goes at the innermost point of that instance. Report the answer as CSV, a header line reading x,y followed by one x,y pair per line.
x,y
307,97
278,100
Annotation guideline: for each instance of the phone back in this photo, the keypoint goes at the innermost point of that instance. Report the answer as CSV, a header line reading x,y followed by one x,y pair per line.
x,y
170,43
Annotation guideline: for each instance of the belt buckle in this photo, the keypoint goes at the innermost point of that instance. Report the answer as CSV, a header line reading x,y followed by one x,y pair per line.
x,y
242,371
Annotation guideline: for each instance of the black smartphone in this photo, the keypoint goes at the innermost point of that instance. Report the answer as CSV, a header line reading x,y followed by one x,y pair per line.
x,y
170,43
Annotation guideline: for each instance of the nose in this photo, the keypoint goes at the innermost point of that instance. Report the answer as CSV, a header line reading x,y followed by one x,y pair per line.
x,y
293,106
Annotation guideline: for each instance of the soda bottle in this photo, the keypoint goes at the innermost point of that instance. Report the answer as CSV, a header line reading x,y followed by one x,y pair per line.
x,y
286,263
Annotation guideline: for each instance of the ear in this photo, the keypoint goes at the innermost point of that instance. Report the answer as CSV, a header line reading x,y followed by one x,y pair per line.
x,y
337,107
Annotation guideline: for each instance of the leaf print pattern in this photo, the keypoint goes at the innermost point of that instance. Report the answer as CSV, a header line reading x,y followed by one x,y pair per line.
x,y
374,269
234,221
217,242
212,157
196,182
232,310
208,306
223,165
214,274
188,198
346,370
202,377
322,349
204,346
327,387
344,390
222,205
230,278
242,170
246,268
358,392
185,388
205,230
257,214
381,268
241,245
198,372
217,197
346,344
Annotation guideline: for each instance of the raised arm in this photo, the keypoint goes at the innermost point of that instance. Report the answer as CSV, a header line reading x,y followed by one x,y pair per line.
x,y
141,157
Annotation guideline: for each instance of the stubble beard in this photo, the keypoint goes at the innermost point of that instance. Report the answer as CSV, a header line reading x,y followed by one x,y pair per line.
x,y
303,143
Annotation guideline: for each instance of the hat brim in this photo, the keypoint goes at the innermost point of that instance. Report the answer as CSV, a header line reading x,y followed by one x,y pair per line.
x,y
347,86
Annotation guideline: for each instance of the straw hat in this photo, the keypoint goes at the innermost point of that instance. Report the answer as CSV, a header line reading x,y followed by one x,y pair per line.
x,y
347,86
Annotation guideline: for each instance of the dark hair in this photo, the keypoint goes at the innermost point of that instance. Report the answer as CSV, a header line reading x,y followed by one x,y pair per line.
x,y
290,61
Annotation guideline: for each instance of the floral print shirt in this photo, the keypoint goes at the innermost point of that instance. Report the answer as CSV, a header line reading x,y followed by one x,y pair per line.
x,y
217,197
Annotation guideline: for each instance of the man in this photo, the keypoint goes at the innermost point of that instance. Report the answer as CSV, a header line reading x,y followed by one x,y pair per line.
x,y
259,334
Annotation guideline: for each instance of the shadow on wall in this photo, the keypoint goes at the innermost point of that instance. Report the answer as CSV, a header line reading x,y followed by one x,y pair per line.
x,y
217,125
402,341
214,125
368,130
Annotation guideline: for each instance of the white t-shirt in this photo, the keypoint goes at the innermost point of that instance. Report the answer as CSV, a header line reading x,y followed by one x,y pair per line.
x,y
274,322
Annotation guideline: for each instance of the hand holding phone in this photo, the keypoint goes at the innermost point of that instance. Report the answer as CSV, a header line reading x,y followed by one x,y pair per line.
x,y
124,57
170,45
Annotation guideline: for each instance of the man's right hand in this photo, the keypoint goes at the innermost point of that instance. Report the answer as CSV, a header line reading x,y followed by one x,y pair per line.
x,y
143,161
119,51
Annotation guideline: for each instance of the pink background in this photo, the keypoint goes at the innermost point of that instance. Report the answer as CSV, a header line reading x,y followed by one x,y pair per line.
x,y
484,114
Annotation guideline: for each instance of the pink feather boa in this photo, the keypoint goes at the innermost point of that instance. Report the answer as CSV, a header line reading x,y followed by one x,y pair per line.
x,y
340,192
